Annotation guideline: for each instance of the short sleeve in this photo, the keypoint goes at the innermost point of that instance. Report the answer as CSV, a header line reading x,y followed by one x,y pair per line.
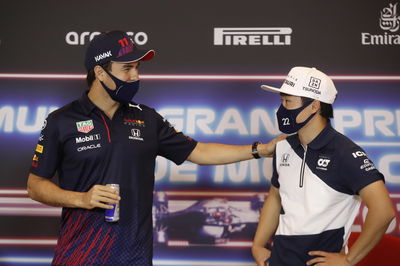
x,y
274,179
173,145
46,157
357,170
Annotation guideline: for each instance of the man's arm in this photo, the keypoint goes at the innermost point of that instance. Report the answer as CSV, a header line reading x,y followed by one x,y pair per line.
x,y
380,214
215,153
269,220
45,191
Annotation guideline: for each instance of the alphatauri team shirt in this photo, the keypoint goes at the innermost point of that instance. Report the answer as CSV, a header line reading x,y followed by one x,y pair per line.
x,y
319,187
84,147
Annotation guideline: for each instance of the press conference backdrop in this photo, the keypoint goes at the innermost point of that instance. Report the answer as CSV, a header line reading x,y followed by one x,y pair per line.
x,y
211,58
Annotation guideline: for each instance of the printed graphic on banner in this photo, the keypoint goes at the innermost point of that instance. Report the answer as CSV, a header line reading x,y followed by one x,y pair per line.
x,y
76,38
223,219
389,21
252,36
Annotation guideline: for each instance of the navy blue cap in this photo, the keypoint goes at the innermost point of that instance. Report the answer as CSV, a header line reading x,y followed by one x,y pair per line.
x,y
114,46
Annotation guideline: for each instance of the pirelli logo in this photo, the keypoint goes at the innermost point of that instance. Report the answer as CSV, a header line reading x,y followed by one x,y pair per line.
x,y
252,36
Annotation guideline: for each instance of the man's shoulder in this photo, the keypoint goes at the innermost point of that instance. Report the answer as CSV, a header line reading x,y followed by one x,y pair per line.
x,y
343,143
140,107
65,110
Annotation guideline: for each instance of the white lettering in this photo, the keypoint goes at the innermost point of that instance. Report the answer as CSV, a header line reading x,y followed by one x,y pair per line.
x,y
237,172
89,147
75,38
358,154
260,116
252,36
354,119
72,38
7,118
201,117
102,56
87,138
186,172
22,118
385,39
236,124
381,125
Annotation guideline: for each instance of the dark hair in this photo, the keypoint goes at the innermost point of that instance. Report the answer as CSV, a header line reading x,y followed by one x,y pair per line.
x,y
326,110
90,76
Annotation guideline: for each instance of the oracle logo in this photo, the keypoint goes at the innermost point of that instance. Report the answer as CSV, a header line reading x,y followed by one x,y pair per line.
x,y
76,38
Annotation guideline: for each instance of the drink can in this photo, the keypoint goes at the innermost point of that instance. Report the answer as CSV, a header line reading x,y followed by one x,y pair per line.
x,y
112,215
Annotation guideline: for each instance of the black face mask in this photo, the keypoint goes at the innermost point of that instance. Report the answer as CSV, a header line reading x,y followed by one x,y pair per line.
x,y
124,92
287,119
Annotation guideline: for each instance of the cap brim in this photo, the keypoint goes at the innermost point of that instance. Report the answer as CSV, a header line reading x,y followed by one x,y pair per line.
x,y
281,90
137,55
272,89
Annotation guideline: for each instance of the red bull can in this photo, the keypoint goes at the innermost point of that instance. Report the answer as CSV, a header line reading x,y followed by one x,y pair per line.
x,y
112,215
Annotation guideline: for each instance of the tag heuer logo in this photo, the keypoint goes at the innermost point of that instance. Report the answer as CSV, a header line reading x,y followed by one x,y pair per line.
x,y
85,126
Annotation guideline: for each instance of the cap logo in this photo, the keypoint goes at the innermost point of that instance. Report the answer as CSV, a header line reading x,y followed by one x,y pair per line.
x,y
290,83
314,83
99,57
126,46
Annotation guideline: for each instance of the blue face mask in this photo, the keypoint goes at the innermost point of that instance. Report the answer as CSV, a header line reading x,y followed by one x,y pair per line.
x,y
124,92
287,119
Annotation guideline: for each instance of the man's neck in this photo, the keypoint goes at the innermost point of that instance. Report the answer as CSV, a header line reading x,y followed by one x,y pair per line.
x,y
102,100
312,129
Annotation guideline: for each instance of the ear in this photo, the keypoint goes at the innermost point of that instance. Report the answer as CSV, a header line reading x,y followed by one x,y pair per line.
x,y
99,73
315,106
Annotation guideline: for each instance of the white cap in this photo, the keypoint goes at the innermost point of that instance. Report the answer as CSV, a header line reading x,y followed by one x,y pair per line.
x,y
307,82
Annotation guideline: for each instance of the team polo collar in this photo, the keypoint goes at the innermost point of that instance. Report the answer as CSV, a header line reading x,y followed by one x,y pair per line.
x,y
86,103
323,138
88,106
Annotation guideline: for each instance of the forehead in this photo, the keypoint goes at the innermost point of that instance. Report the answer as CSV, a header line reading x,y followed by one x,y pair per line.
x,y
289,97
128,64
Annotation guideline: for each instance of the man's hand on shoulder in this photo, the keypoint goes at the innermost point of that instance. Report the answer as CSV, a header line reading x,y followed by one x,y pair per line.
x,y
268,149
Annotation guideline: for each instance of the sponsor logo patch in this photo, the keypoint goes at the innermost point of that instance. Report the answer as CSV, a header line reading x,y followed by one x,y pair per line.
x,y
367,165
252,36
85,126
39,148
89,147
285,160
389,22
87,138
134,122
359,154
323,162
135,134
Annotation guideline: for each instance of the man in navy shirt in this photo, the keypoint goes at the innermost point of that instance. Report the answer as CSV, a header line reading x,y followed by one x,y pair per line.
x,y
104,137
319,179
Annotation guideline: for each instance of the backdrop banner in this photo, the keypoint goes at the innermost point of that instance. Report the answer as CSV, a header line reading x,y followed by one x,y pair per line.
x,y
211,58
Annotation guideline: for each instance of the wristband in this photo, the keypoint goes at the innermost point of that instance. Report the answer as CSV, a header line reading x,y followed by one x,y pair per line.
x,y
254,150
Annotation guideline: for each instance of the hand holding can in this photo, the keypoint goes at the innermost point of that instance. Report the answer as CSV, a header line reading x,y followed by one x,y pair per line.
x,y
112,215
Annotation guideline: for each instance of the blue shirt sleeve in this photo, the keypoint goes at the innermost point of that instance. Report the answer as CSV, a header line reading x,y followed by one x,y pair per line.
x,y
46,157
172,144
357,170
274,179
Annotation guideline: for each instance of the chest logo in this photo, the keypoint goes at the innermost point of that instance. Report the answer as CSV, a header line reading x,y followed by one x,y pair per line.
x,y
323,163
135,134
85,126
134,122
285,159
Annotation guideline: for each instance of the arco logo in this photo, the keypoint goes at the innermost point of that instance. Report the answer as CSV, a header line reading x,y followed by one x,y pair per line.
x,y
76,38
